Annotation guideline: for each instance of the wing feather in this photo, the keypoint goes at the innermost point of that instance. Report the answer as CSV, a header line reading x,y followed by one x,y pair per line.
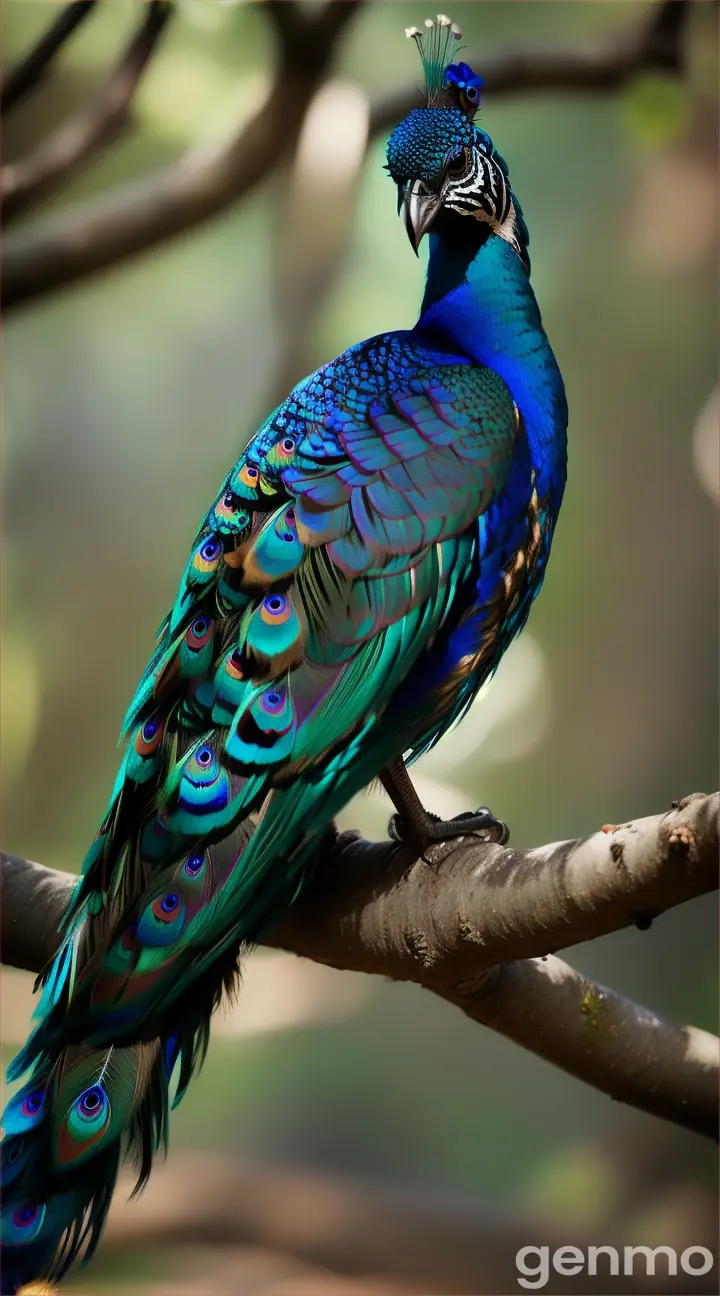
x,y
326,567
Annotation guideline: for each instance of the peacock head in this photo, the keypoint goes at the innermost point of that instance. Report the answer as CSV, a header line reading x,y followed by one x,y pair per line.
x,y
444,166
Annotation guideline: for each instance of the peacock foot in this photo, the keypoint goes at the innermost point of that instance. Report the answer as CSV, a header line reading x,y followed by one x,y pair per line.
x,y
427,829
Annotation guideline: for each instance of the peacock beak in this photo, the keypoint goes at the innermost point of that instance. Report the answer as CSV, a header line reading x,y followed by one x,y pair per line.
x,y
419,205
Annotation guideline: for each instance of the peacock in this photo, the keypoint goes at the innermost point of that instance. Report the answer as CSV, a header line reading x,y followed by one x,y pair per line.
x,y
358,577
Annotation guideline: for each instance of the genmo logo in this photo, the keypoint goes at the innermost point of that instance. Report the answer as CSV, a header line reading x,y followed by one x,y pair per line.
x,y
535,1263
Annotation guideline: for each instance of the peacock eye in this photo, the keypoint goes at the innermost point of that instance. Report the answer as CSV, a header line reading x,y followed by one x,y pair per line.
x,y
457,164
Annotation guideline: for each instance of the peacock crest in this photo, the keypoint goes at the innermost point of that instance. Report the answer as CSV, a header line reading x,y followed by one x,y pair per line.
x,y
447,84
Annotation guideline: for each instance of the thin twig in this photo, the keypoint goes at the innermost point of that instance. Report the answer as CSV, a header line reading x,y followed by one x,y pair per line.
x,y
28,72
75,142
130,218
373,907
203,183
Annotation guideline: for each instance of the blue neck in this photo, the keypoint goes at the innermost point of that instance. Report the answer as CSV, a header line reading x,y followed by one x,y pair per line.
x,y
481,300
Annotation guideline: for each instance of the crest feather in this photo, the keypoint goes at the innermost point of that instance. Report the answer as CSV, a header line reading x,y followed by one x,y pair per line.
x,y
435,44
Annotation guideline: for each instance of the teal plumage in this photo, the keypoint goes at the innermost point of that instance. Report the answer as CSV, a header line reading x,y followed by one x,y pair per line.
x,y
357,578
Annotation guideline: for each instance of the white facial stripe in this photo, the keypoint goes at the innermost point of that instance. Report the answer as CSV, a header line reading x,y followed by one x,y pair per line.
x,y
482,192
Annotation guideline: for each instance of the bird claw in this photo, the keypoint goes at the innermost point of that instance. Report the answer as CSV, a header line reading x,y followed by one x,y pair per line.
x,y
480,823
485,823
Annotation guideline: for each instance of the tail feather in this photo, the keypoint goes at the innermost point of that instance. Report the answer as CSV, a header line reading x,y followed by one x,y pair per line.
x,y
67,1132
82,1113
127,1004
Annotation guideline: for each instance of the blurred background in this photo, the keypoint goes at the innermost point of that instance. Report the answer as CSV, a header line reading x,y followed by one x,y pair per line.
x,y
348,1135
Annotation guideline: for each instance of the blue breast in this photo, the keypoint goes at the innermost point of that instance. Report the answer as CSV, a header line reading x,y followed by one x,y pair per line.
x,y
493,317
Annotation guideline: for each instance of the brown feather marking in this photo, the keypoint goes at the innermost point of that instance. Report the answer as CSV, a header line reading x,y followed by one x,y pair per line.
x,y
517,574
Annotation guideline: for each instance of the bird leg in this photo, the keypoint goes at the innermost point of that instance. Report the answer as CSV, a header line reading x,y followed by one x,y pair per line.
x,y
414,823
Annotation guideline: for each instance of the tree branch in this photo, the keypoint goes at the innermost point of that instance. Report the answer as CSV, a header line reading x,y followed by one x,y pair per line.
x,y
127,220
74,143
600,1037
137,215
348,1227
458,925
28,72
423,1243
375,908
